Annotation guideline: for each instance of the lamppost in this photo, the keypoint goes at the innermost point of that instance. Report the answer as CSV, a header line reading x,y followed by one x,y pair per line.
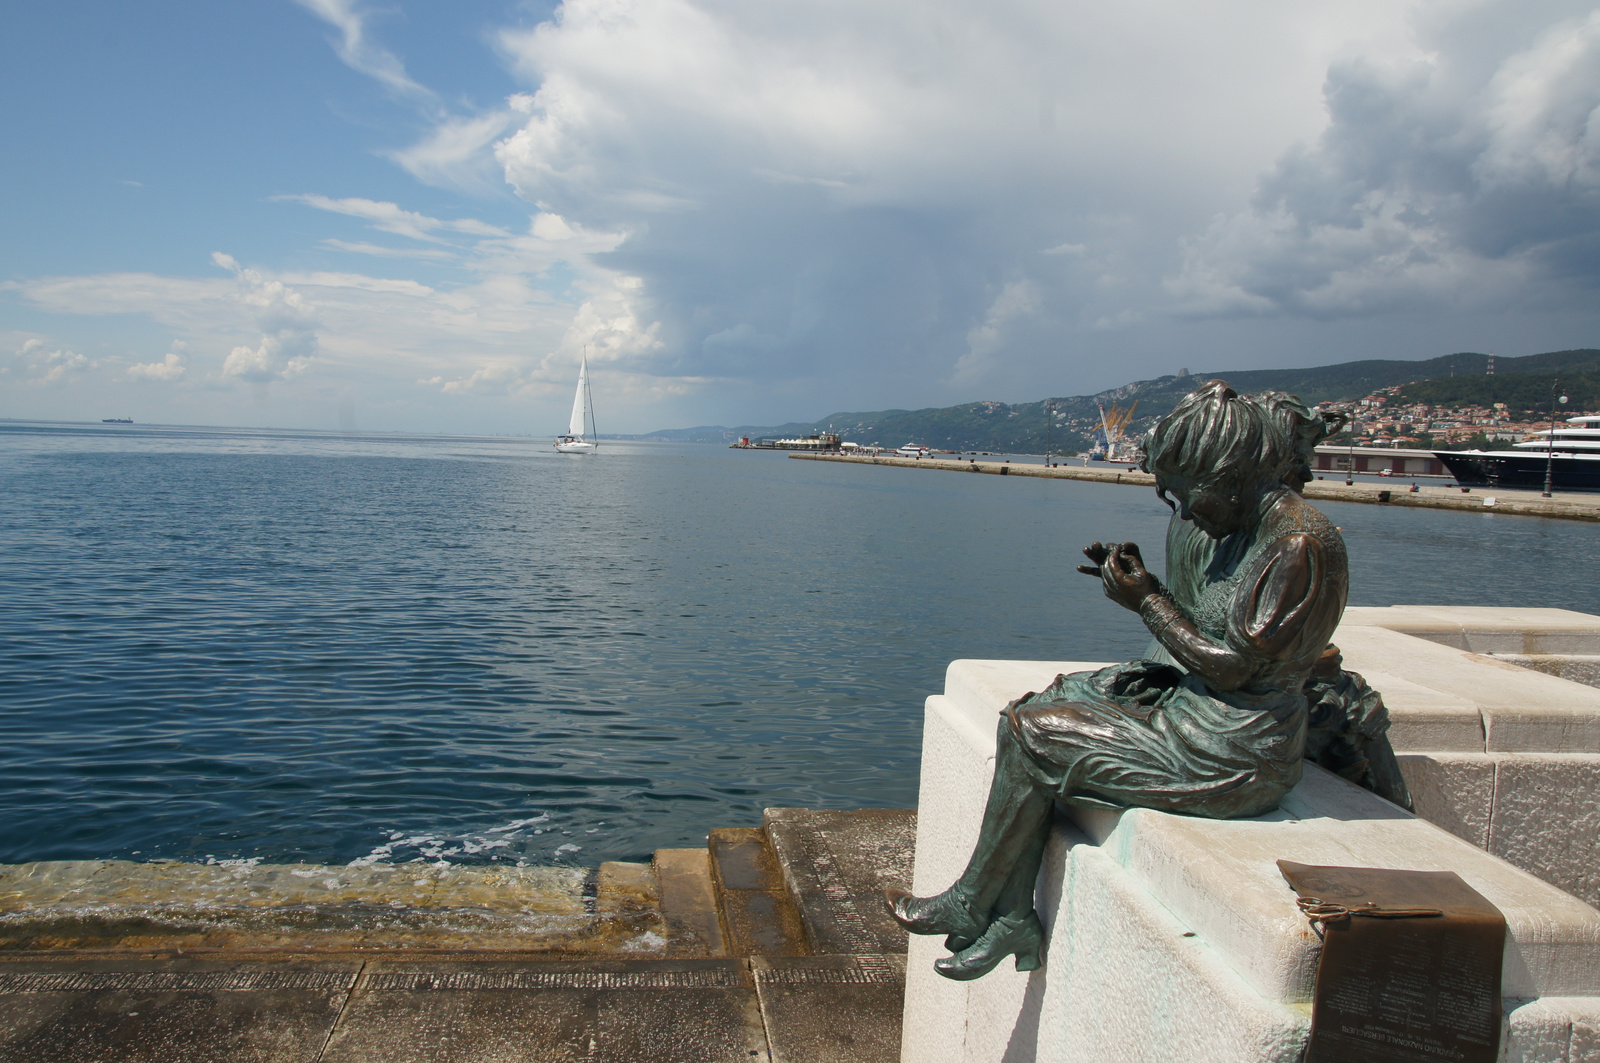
x,y
1550,441
1049,415
1350,461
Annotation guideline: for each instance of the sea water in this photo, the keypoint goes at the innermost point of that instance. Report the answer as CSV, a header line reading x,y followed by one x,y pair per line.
x,y
221,644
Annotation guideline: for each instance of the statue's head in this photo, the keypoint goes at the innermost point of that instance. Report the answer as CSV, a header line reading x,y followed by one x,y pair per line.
x,y
1217,451
1304,427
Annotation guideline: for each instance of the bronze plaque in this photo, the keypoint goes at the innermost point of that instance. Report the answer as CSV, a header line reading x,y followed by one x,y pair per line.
x,y
1412,973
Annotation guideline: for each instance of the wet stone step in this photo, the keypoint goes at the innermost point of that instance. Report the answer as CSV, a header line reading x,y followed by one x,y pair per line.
x,y
759,917
98,904
705,955
687,893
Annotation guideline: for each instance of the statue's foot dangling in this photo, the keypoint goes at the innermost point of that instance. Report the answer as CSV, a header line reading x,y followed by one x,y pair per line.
x,y
1016,936
943,913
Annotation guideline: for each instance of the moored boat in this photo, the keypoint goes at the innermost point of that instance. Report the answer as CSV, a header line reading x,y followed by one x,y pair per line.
x,y
1571,455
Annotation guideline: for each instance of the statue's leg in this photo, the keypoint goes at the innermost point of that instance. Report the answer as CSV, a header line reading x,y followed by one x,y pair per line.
x,y
998,880
1016,824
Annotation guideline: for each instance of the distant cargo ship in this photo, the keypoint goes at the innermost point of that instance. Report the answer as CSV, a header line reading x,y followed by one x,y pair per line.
x,y
116,420
1572,456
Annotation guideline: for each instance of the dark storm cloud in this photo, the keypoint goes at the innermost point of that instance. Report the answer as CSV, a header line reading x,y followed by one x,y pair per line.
x,y
903,202
1469,178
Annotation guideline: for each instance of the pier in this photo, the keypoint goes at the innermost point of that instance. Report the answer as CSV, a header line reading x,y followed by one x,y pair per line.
x,y
1564,505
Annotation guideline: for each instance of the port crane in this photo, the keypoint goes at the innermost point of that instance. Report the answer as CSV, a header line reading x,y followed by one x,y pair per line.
x,y
1111,444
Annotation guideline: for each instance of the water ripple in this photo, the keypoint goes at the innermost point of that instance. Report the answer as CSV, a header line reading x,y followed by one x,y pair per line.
x,y
310,647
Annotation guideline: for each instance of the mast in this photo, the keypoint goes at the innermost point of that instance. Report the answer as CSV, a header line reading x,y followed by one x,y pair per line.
x,y
588,397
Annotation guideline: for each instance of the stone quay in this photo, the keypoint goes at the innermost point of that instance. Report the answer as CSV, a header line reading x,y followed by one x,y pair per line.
x,y
1563,505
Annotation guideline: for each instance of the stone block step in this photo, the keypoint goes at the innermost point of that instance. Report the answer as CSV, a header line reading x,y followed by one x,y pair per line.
x,y
688,898
836,864
759,917
120,904
700,955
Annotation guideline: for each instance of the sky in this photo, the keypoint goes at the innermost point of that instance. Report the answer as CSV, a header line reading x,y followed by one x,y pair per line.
x,y
410,216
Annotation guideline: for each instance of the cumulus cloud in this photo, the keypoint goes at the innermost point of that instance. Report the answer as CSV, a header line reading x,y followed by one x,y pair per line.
x,y
520,310
33,363
820,205
826,192
1468,176
169,369
1016,299
288,328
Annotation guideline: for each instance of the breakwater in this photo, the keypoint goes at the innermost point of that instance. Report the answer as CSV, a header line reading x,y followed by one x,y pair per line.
x,y
1565,505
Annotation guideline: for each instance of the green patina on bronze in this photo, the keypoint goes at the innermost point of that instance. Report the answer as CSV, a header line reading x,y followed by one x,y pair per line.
x,y
1238,688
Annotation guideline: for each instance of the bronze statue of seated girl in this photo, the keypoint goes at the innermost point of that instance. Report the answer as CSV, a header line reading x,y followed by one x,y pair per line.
x,y
1214,722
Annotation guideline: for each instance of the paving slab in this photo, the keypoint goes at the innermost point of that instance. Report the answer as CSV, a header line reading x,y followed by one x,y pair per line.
x,y
185,1010
595,1011
829,1009
836,865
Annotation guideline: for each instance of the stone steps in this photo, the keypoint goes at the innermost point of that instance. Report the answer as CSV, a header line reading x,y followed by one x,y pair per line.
x,y
769,944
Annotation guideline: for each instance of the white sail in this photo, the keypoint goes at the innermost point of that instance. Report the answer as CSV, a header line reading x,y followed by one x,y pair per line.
x,y
580,410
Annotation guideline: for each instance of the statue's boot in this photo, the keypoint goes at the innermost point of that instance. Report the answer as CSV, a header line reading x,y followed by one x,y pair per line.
x,y
1019,936
1000,875
943,913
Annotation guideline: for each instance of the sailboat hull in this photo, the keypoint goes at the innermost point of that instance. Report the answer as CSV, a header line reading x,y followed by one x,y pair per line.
x,y
575,446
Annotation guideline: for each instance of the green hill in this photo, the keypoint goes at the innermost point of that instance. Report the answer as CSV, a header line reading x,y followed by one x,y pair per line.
x,y
1019,428
1521,392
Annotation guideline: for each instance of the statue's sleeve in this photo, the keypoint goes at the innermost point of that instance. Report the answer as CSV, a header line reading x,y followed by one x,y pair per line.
x,y
1285,601
1282,605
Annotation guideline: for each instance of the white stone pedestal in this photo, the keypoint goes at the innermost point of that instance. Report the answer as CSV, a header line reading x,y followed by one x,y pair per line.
x,y
1496,747
1176,938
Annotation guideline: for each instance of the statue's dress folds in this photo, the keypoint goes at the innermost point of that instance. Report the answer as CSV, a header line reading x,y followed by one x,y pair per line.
x,y
1153,734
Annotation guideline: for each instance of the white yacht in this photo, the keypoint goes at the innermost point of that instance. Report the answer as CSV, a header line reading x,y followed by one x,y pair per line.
x,y
1572,455
912,450
577,441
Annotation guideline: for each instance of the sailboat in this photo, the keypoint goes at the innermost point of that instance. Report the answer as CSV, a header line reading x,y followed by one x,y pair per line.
x,y
576,441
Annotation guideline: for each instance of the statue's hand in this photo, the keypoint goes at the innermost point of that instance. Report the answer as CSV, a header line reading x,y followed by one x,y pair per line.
x,y
1096,552
1127,581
